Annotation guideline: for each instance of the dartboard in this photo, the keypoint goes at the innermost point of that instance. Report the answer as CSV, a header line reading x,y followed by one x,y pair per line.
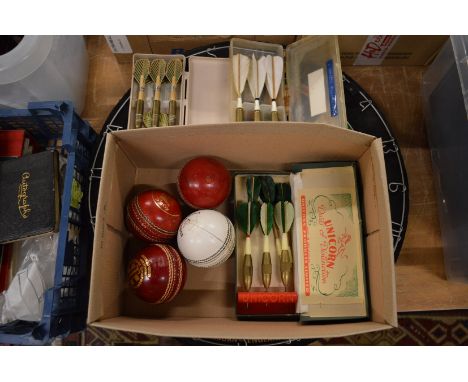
x,y
364,116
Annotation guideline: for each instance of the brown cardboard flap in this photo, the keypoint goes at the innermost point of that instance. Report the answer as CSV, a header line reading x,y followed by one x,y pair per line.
x,y
387,227
160,178
231,328
122,181
369,192
408,50
376,279
109,276
165,44
190,303
110,236
243,145
379,244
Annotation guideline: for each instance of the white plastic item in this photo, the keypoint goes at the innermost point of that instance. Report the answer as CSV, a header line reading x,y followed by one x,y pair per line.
x,y
44,68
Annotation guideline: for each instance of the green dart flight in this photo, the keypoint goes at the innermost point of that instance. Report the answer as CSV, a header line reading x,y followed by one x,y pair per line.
x,y
248,215
266,222
284,218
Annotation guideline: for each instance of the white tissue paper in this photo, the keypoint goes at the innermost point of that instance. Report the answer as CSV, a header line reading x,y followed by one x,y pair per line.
x,y
24,298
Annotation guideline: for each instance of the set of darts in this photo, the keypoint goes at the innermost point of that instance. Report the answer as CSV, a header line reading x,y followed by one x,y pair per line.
x,y
157,72
266,69
268,205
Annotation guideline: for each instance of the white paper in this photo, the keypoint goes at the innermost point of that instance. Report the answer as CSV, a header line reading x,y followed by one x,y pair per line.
x,y
24,297
375,49
119,44
317,93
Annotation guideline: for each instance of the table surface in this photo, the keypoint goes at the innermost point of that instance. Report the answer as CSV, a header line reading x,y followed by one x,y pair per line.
x,y
420,278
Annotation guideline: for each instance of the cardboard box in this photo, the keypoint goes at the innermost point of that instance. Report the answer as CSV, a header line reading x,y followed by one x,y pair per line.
x,y
165,44
124,47
406,50
205,308
389,50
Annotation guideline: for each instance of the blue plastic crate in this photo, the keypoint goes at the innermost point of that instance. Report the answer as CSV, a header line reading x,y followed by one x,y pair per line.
x,y
55,124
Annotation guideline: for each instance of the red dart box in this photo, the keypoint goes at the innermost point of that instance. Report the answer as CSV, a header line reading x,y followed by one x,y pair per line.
x,y
206,307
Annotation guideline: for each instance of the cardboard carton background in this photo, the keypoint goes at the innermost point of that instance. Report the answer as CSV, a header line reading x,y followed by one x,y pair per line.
x,y
408,50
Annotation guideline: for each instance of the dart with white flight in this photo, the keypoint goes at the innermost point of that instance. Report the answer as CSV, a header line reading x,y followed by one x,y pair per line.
x,y
256,80
274,75
240,69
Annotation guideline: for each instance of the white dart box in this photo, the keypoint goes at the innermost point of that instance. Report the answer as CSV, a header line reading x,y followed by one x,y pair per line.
x,y
147,92
205,308
311,72
310,88
202,94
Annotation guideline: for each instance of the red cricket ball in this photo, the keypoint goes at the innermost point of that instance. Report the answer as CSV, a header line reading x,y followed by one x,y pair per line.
x,y
157,273
153,216
204,183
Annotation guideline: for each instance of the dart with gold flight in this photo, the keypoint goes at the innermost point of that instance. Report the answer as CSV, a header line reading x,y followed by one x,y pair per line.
x,y
147,119
173,73
157,74
141,76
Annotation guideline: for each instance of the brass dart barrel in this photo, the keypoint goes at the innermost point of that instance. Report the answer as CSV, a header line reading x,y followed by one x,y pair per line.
x,y
284,218
140,74
173,74
247,271
285,268
267,269
274,113
157,74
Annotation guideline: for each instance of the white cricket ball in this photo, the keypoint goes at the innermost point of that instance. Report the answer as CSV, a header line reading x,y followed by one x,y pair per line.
x,y
206,238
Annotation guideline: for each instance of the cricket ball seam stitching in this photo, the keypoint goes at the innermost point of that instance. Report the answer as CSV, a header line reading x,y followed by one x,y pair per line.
x,y
170,276
150,223
154,233
163,210
206,262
